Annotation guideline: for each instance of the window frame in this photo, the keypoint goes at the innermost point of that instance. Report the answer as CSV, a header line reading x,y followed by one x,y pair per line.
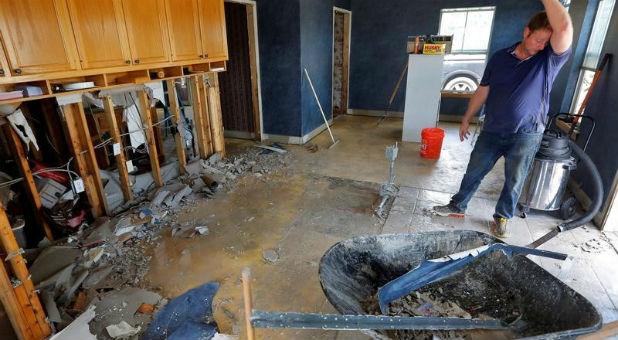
x,y
468,10
579,92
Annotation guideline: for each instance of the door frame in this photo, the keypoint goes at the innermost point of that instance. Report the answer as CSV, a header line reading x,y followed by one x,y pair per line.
x,y
347,38
254,62
611,208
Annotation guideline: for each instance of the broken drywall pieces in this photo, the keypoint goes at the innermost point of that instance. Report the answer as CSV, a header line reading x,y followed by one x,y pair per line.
x,y
189,231
51,309
186,190
97,277
79,328
52,260
59,279
122,330
93,256
125,225
121,306
214,158
159,197
22,128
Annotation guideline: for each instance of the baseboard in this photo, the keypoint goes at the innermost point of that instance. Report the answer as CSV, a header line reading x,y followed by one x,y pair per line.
x,y
294,139
374,113
239,134
584,200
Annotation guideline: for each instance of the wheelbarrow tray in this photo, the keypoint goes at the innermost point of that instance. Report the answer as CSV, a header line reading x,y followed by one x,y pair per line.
x,y
352,270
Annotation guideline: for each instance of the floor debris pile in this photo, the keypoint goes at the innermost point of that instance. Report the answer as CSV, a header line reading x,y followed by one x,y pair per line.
x,y
448,298
91,282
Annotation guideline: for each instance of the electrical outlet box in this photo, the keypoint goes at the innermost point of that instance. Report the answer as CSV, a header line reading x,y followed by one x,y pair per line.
x,y
130,167
78,186
116,149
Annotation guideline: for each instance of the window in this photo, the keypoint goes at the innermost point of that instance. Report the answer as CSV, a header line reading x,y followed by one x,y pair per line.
x,y
471,31
593,52
470,27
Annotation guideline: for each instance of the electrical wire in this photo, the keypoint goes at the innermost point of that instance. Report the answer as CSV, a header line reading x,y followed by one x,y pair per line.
x,y
65,167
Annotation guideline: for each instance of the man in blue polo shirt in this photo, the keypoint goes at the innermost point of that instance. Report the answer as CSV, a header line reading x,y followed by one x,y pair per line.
x,y
515,90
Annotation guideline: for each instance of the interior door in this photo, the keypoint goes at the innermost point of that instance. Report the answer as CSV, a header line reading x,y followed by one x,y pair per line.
x,y
37,36
212,25
235,84
184,28
100,33
147,30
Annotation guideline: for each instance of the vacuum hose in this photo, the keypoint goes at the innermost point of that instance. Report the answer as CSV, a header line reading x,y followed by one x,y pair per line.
x,y
597,199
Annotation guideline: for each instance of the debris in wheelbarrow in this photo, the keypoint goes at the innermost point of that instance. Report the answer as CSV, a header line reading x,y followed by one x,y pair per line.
x,y
270,319
436,269
513,290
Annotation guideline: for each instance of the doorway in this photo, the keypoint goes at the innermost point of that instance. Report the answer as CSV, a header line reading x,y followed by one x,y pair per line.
x,y
342,21
239,85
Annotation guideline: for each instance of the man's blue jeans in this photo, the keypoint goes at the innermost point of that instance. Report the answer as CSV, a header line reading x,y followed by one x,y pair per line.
x,y
518,150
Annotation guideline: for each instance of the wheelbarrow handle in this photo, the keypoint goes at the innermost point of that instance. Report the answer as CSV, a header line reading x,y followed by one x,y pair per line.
x,y
265,319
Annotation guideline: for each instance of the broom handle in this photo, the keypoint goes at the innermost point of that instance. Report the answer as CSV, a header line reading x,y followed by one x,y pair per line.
x,y
319,105
246,285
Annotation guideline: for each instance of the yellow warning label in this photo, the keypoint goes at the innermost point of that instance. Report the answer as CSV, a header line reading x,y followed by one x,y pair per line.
x,y
433,49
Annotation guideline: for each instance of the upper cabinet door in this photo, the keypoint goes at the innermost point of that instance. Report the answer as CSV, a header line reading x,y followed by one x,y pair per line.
x,y
212,24
37,36
184,28
147,30
100,33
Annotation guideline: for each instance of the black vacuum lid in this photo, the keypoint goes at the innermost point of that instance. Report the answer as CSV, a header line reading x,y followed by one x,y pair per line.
x,y
554,146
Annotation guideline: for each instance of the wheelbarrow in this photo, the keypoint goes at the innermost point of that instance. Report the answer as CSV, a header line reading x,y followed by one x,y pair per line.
x,y
352,271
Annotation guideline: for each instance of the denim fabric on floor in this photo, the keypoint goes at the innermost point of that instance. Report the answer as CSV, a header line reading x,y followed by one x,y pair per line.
x,y
518,150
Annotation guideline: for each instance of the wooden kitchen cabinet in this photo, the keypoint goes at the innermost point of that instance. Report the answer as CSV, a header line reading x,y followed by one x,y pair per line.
x,y
37,36
212,25
147,31
100,33
184,29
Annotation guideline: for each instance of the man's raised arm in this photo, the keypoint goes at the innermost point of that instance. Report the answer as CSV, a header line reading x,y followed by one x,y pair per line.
x,y
560,22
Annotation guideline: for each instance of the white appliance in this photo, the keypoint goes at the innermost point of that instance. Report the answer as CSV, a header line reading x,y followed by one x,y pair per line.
x,y
423,86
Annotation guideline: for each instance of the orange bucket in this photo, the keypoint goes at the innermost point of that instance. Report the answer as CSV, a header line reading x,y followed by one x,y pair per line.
x,y
431,142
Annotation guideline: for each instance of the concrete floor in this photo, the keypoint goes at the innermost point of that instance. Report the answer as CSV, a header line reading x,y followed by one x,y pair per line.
x,y
327,196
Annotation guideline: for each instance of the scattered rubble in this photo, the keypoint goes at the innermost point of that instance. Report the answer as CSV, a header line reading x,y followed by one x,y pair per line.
x,y
122,330
102,265
270,255
595,245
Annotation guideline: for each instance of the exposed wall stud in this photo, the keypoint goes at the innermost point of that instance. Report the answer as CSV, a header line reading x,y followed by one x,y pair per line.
x,y
175,112
144,108
121,163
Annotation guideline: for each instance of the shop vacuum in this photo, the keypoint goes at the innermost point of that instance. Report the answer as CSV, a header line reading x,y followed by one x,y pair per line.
x,y
546,183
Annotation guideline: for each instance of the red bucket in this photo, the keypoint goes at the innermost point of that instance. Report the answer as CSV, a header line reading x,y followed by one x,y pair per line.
x,y
431,142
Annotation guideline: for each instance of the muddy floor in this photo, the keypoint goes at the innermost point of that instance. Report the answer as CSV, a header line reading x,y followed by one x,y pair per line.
x,y
278,225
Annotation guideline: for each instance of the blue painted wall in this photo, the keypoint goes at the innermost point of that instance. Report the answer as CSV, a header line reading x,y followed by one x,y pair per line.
x,y
603,106
294,34
582,14
279,40
379,35
316,41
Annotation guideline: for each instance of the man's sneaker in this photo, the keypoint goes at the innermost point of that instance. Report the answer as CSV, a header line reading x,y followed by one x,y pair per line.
x,y
448,210
498,226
